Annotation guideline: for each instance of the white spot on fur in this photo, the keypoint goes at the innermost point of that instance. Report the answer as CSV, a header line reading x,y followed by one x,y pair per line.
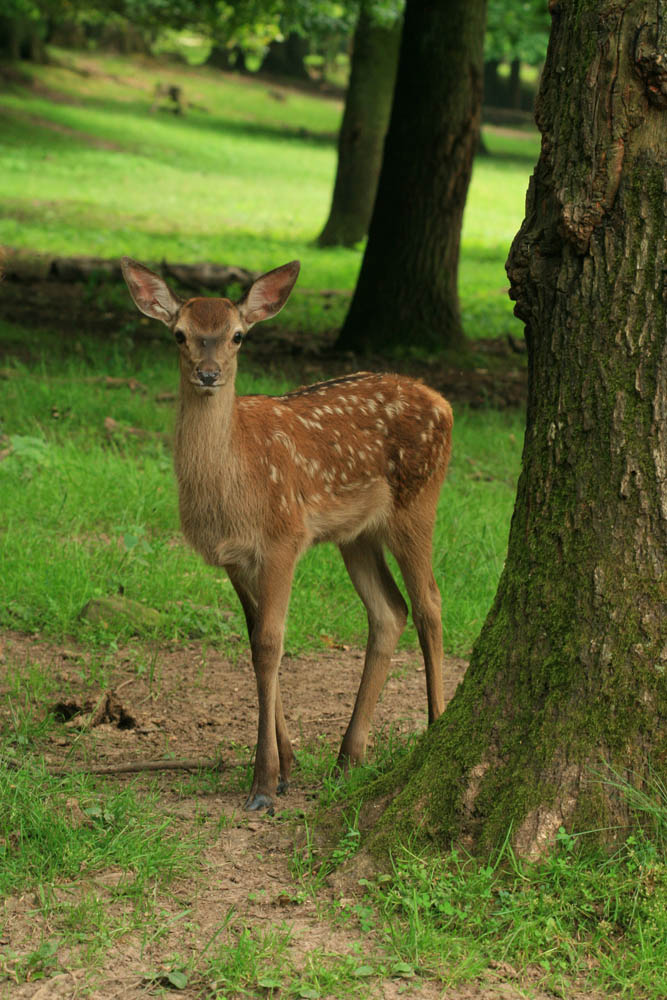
x,y
285,441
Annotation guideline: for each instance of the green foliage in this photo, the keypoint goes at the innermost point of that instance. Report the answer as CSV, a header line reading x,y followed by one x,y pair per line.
x,y
517,29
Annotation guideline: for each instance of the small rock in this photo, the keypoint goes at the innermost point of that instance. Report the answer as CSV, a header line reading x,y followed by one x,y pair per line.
x,y
121,610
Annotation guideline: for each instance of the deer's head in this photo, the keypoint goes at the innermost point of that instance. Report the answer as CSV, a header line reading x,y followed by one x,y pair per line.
x,y
209,331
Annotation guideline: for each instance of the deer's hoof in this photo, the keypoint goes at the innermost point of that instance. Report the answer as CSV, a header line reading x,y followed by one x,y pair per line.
x,y
283,787
259,801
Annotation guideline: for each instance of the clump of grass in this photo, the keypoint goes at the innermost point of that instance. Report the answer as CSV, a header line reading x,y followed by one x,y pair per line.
x,y
57,828
242,961
573,915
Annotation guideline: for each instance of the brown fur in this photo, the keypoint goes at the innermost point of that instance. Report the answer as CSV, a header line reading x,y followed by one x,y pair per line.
x,y
357,460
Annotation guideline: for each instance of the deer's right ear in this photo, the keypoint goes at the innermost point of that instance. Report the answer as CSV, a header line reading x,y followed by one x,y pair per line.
x,y
151,294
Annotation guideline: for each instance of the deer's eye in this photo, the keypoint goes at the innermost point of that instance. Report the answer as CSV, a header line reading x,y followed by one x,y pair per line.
x,y
179,336
238,337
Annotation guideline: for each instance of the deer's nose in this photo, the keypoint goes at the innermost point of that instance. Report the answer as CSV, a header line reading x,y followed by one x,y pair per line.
x,y
208,377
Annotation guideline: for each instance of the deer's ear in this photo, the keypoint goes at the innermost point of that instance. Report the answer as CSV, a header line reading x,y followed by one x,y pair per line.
x,y
151,294
267,295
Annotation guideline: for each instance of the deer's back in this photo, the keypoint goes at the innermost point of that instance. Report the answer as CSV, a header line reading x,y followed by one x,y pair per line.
x,y
341,456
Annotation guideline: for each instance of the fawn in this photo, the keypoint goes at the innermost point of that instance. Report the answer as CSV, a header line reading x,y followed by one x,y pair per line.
x,y
357,460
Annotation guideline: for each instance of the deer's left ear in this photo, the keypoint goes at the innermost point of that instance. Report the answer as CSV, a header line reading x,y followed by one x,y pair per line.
x,y
267,295
151,294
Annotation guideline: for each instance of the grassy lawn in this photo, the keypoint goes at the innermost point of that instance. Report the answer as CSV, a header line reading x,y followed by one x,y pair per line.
x,y
89,513
240,179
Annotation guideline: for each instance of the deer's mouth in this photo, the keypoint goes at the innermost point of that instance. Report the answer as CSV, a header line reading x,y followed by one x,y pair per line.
x,y
207,383
206,390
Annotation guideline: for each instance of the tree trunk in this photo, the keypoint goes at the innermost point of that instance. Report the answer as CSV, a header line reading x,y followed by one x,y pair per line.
x,y
362,132
22,38
492,83
220,57
406,292
10,38
286,58
515,83
569,674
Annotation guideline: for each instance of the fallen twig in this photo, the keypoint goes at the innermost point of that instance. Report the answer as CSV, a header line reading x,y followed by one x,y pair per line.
x,y
130,767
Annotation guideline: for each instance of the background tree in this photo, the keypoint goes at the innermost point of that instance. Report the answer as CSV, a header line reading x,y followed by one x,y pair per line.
x,y
517,31
370,89
569,673
407,287
24,27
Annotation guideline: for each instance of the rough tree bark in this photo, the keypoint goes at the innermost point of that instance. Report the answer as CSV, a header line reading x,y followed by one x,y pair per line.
x,y
362,132
407,287
569,674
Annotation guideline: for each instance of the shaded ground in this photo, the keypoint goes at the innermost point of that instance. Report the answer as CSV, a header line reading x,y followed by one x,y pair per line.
x,y
494,373
198,704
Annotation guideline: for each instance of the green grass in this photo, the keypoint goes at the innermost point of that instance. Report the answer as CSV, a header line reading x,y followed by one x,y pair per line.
x,y
574,915
247,181
88,514
43,842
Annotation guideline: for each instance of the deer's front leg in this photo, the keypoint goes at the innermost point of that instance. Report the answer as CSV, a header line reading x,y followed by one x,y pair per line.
x,y
275,582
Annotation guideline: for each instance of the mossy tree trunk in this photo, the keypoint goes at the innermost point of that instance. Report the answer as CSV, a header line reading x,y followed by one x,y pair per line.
x,y
364,125
569,674
407,288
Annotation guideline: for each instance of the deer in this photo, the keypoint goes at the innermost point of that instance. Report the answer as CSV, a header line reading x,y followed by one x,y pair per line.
x,y
357,460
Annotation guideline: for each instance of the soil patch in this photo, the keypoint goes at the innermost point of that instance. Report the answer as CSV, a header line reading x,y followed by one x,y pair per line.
x,y
197,703
193,702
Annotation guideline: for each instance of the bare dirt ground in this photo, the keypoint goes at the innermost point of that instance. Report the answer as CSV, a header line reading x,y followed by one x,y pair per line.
x,y
200,705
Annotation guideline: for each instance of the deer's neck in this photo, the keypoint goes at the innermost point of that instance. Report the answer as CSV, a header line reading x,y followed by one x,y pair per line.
x,y
205,446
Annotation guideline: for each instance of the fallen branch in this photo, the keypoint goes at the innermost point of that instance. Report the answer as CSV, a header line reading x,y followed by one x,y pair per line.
x,y
25,265
135,766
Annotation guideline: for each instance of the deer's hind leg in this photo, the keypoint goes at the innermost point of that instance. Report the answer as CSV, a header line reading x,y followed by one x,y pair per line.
x,y
245,589
387,615
411,544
